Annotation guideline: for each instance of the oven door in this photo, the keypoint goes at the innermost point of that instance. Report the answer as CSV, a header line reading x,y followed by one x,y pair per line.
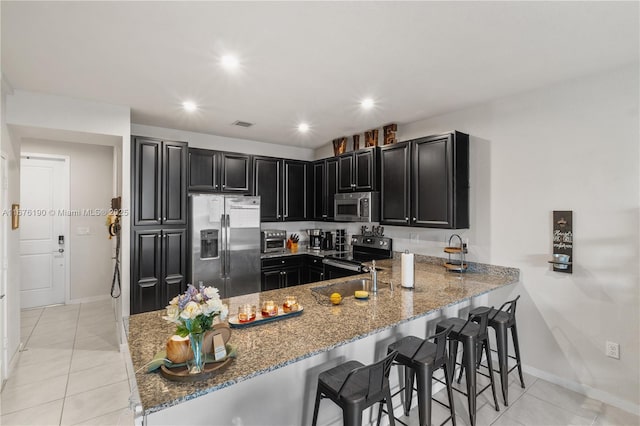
x,y
336,269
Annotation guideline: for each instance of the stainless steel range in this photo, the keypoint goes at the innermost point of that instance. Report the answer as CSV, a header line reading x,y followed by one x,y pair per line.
x,y
365,248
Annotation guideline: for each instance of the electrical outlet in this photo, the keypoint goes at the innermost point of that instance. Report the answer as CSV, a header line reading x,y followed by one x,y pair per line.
x,y
612,350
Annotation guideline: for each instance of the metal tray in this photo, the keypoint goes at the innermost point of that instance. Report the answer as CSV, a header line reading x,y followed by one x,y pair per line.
x,y
234,323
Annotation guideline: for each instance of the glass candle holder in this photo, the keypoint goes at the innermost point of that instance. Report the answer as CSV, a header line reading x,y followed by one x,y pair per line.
x,y
246,313
269,308
290,304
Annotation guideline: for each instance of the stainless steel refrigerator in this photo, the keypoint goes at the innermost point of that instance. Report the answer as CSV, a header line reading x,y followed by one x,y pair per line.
x,y
225,243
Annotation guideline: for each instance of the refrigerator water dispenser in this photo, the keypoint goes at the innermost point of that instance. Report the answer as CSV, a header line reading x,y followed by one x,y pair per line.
x,y
208,243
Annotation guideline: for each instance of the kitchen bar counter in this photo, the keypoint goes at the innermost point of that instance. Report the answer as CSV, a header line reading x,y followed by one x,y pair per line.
x,y
264,349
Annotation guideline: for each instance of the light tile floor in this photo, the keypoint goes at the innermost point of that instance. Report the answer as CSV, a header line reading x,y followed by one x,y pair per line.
x,y
71,372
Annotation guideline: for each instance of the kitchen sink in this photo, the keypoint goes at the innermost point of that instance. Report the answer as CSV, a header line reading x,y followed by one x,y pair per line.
x,y
345,288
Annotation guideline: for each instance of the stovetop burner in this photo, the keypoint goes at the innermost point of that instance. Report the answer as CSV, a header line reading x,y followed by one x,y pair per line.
x,y
365,249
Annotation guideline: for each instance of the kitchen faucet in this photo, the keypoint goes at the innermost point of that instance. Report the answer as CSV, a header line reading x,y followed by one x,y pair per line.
x,y
374,277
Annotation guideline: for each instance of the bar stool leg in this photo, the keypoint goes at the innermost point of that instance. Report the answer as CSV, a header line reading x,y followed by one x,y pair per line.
x,y
493,383
392,420
516,347
448,379
316,407
408,389
424,376
453,352
469,360
352,416
501,343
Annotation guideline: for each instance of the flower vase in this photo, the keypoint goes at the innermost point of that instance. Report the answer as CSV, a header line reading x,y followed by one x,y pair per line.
x,y
196,366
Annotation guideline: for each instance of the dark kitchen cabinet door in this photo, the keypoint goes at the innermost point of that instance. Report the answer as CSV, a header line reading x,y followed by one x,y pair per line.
x,y
440,180
357,170
318,196
236,173
331,173
159,182
267,184
158,267
174,263
295,190
147,181
314,269
271,280
146,285
291,276
204,170
174,183
395,192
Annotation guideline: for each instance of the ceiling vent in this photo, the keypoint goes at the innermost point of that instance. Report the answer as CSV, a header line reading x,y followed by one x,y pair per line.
x,y
242,123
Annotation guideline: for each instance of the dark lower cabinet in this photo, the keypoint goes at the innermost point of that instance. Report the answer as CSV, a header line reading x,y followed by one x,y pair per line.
x,y
425,182
314,269
158,267
281,272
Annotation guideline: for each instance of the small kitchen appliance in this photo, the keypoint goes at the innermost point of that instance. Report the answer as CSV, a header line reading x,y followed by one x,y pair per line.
x,y
315,239
272,240
327,241
357,207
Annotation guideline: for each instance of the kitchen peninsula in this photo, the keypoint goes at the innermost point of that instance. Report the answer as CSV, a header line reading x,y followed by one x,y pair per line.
x,y
273,379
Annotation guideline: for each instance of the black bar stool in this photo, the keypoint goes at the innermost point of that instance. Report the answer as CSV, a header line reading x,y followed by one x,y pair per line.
x,y
474,338
502,320
355,387
422,358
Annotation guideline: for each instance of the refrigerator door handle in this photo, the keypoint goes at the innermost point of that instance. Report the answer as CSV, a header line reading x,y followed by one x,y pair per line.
x,y
227,266
223,247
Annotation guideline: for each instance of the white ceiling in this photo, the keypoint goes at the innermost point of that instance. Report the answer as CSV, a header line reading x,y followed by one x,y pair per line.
x,y
303,61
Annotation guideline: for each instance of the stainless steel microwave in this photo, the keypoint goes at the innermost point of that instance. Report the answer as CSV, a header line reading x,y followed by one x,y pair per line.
x,y
357,207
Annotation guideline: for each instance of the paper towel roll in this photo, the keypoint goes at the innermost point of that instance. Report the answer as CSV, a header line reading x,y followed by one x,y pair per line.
x,y
407,270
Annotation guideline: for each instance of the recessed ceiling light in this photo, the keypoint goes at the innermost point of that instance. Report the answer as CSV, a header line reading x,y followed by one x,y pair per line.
x,y
367,103
189,106
303,127
230,62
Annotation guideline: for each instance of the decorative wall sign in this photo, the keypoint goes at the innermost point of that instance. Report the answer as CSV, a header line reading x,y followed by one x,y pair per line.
x,y
389,132
356,142
562,241
339,146
371,138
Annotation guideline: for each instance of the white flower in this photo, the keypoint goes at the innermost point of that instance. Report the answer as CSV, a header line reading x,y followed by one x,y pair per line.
x,y
211,293
191,311
174,301
172,314
224,312
198,297
213,306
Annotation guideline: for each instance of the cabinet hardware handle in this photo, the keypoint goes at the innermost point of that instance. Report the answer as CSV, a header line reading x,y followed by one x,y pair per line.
x,y
406,219
414,219
159,219
164,218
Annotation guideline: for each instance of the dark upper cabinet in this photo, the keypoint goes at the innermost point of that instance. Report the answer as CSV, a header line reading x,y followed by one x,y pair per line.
x,y
425,182
358,170
440,179
158,267
159,182
217,171
296,175
395,193
282,187
324,185
267,184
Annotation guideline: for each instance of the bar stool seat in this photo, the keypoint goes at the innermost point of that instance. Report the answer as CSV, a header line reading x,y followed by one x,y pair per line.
x,y
474,337
501,320
354,387
421,358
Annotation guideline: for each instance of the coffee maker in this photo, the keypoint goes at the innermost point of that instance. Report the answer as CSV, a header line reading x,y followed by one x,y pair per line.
x,y
327,241
315,239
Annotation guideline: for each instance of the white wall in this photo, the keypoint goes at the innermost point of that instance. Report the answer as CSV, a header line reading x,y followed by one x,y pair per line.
x,y
91,188
30,113
222,143
572,146
10,149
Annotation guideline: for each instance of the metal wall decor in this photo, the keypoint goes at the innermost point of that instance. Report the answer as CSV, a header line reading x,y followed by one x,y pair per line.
x,y
371,138
562,241
389,133
356,142
339,146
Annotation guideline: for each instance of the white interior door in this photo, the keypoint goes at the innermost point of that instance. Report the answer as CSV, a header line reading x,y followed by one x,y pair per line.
x,y
43,234
4,264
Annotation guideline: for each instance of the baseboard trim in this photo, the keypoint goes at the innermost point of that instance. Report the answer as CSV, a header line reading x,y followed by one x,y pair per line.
x,y
585,390
89,299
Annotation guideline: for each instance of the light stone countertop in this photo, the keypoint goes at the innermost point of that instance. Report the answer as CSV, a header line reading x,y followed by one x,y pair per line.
x,y
318,329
